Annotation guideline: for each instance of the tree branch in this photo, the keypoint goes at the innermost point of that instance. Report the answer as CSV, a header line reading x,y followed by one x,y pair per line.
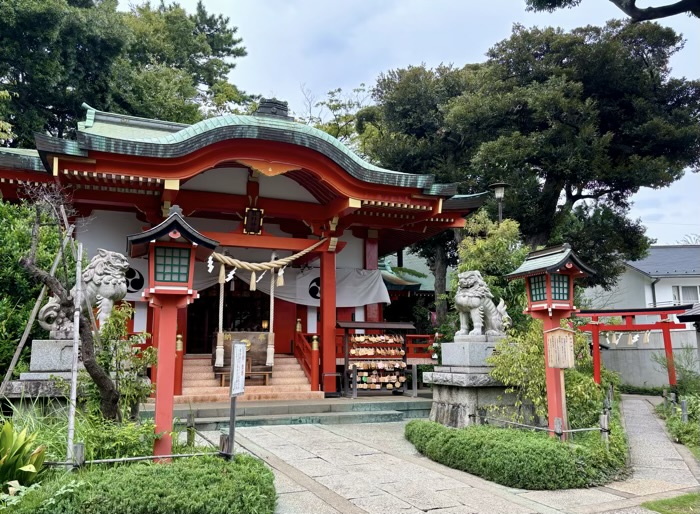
x,y
630,8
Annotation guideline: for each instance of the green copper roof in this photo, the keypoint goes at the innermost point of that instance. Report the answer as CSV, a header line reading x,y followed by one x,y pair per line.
x,y
20,158
129,135
548,260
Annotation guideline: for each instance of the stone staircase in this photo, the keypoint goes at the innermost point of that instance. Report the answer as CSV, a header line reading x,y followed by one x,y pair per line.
x,y
288,382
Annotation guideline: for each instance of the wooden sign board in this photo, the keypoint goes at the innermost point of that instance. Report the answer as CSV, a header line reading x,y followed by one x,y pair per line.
x,y
560,348
238,359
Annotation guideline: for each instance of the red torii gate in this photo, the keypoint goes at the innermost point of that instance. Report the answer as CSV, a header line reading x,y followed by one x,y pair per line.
x,y
666,323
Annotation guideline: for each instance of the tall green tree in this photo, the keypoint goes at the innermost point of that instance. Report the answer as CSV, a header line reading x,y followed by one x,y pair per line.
x,y
629,7
151,61
576,121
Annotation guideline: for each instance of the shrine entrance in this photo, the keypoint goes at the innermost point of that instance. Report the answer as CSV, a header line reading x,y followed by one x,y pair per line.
x,y
244,310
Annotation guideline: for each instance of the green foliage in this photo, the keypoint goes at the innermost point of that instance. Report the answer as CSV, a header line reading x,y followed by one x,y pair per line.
x,y
496,250
20,461
17,291
152,61
195,485
626,6
119,357
686,504
647,391
104,439
519,364
576,121
686,364
522,459
684,433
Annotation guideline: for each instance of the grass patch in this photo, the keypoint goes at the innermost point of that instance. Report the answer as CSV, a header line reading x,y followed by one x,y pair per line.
x,y
197,485
647,391
686,504
523,459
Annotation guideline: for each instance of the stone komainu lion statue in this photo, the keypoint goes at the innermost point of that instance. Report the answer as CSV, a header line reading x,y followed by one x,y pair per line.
x,y
104,283
473,298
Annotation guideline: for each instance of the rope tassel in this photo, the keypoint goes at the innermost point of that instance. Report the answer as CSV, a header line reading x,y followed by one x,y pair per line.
x,y
280,277
253,282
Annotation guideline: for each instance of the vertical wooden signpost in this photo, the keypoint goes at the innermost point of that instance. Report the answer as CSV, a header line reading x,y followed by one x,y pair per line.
x,y
238,357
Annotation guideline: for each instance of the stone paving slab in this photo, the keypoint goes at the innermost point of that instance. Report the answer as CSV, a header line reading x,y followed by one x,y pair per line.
x,y
350,469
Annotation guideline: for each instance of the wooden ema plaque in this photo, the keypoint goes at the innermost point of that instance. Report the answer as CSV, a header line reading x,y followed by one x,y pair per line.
x,y
560,348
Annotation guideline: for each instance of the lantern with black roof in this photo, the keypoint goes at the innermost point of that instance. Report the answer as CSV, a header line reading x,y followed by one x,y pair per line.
x,y
549,276
172,248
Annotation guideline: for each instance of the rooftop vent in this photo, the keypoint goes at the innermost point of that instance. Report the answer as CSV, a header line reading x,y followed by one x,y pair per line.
x,y
273,107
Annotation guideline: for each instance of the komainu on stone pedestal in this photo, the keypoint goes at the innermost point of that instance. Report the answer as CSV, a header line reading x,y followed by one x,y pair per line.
x,y
474,299
104,283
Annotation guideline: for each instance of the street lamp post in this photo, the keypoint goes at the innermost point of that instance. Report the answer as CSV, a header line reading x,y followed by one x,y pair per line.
x,y
499,189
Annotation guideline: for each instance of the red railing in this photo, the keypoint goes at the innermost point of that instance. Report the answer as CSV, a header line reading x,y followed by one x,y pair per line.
x,y
308,357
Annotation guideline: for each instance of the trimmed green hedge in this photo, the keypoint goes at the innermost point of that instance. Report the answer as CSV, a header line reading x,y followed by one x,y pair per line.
x,y
523,459
196,485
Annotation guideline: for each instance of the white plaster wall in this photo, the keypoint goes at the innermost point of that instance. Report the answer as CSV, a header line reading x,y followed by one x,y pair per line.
x,y
108,230
664,288
311,320
219,180
234,180
353,255
630,292
635,363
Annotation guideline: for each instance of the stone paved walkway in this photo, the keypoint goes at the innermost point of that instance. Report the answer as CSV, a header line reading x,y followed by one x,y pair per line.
x,y
371,468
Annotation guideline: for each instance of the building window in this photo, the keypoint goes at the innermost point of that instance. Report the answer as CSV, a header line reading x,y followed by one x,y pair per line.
x,y
538,288
560,287
172,264
685,294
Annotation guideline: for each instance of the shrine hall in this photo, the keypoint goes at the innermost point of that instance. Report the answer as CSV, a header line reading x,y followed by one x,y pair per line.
x,y
244,192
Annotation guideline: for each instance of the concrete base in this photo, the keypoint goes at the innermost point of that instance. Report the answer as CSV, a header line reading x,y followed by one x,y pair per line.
x,y
459,407
51,355
463,390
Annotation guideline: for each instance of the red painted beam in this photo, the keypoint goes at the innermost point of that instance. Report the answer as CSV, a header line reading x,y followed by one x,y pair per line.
x,y
268,242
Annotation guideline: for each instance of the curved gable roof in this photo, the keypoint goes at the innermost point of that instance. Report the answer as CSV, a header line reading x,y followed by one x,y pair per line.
x,y
130,135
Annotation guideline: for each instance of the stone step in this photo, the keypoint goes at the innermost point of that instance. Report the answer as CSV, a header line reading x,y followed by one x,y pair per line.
x,y
287,373
288,380
248,389
200,382
249,397
323,418
196,375
196,364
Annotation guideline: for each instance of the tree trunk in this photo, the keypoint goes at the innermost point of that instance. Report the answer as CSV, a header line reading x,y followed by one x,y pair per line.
x,y
440,272
547,215
109,396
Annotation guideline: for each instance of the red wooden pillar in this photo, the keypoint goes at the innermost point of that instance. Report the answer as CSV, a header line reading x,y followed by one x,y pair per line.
x,y
668,348
373,312
328,320
595,333
167,333
556,401
154,339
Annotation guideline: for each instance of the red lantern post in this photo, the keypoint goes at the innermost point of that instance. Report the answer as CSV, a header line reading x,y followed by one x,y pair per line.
x,y
549,275
172,248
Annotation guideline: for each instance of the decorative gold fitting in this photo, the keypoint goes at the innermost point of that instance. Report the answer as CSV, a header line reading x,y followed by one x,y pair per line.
x,y
179,346
298,324
314,343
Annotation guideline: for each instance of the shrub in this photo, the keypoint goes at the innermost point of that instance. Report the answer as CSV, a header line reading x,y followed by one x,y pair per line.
x,y
522,459
195,485
684,433
103,439
20,462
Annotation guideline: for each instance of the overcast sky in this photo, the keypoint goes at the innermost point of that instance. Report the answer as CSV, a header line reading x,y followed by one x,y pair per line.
x,y
324,45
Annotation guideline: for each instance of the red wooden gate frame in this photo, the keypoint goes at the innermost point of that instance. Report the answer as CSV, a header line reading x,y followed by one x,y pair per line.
x,y
666,323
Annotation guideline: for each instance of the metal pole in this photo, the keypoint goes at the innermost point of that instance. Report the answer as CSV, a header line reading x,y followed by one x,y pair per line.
x,y
500,211
232,427
414,380
76,342
354,381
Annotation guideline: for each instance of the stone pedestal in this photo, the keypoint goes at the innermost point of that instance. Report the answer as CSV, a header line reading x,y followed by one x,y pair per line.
x,y
50,358
463,390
